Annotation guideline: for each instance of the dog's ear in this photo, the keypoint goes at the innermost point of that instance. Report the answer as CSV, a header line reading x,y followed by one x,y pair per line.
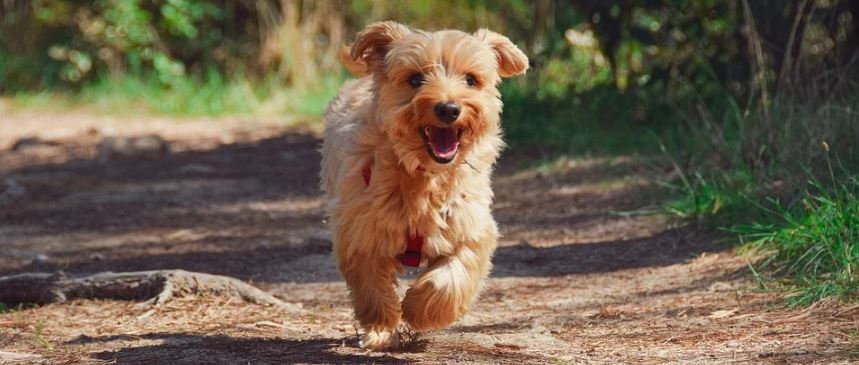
x,y
511,60
371,45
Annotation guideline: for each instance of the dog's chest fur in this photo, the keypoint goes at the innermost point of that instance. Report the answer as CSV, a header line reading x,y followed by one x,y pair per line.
x,y
447,208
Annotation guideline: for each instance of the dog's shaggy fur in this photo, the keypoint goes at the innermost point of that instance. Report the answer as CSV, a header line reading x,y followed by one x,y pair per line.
x,y
429,170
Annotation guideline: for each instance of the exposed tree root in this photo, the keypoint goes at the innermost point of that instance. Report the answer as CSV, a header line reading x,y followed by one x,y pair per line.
x,y
156,287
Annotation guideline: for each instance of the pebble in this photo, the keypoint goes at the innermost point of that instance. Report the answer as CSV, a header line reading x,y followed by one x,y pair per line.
x,y
196,168
11,189
112,148
41,259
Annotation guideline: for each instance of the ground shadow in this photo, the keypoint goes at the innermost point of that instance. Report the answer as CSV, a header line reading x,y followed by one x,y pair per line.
x,y
213,210
289,262
189,348
257,264
129,194
662,249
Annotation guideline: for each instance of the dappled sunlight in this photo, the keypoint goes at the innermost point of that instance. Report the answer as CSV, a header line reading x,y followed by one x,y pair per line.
x,y
285,206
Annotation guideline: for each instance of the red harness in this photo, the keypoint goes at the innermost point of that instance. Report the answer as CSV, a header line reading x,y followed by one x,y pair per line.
x,y
414,244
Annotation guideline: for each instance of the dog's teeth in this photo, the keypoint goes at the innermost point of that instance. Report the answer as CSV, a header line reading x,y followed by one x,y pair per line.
x,y
427,130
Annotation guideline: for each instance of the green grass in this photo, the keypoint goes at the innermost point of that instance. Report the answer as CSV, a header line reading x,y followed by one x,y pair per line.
x,y
755,172
815,244
715,200
186,96
811,245
38,337
854,339
6,308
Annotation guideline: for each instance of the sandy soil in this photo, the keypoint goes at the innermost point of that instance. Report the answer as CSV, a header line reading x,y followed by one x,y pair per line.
x,y
578,278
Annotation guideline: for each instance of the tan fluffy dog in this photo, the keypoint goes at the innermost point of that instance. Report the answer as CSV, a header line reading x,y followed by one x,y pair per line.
x,y
408,155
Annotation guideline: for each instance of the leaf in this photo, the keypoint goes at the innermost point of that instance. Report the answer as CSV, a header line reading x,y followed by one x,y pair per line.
x,y
724,313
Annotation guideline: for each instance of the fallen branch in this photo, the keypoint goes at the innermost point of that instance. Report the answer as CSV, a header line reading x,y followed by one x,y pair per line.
x,y
156,287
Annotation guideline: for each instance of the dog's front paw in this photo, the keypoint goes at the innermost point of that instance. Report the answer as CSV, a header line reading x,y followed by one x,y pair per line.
x,y
426,307
379,340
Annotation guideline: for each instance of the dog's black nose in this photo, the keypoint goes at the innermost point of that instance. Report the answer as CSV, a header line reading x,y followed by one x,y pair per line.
x,y
446,111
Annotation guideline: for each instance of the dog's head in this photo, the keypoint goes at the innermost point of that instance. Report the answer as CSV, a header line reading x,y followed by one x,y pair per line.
x,y
436,93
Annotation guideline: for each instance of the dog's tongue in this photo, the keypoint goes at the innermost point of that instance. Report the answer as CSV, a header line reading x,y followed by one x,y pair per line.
x,y
443,141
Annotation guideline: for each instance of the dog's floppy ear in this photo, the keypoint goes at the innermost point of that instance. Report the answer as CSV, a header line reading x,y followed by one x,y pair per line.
x,y
511,60
371,45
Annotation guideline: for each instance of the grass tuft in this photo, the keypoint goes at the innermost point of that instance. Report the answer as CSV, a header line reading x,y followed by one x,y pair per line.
x,y
715,200
817,244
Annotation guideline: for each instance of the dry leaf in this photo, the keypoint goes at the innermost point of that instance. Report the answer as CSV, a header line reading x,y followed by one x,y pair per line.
x,y
724,313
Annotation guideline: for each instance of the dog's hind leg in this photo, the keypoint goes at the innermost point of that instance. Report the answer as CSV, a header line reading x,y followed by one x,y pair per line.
x,y
446,289
372,280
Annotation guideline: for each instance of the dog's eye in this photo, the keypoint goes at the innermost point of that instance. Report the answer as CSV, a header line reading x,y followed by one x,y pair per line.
x,y
416,80
471,80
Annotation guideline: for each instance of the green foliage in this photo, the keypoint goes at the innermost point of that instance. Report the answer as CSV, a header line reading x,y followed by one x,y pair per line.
x,y
718,200
83,40
581,124
746,161
816,243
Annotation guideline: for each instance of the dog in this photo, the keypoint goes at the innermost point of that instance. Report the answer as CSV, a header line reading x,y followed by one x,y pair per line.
x,y
407,159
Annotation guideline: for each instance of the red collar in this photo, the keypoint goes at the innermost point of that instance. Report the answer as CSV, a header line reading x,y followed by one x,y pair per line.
x,y
414,243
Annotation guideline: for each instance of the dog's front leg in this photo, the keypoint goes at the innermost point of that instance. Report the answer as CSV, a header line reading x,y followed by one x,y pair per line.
x,y
371,280
446,289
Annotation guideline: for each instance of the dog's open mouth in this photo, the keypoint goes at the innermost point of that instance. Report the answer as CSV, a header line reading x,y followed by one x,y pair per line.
x,y
442,142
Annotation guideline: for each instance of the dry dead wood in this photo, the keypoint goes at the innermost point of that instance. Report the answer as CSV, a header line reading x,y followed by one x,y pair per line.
x,y
156,287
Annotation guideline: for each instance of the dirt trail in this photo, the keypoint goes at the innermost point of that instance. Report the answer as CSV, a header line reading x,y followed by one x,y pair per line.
x,y
577,279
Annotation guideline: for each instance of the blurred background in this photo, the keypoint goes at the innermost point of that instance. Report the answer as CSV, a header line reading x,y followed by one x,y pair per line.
x,y
746,101
701,66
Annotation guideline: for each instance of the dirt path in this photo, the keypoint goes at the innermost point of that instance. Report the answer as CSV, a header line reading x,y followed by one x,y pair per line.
x,y
576,280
